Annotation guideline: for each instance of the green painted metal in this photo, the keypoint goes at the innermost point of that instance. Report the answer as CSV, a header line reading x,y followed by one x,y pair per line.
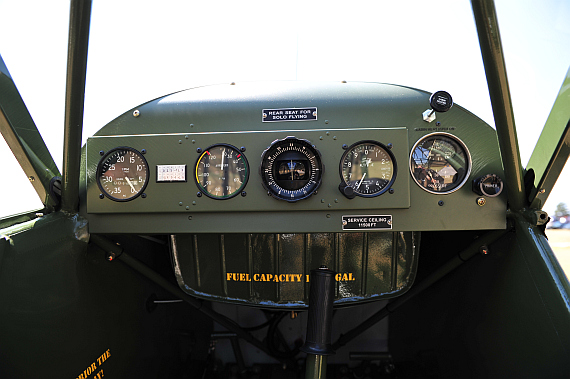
x,y
553,147
171,128
79,20
24,139
273,270
493,59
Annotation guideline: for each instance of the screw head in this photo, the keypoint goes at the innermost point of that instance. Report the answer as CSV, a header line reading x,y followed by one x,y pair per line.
x,y
243,194
242,149
481,201
391,190
440,203
199,194
389,146
143,195
143,151
198,150
101,196
344,146
136,113
101,152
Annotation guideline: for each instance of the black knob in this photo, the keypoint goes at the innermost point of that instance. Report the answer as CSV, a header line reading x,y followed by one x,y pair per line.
x,y
319,323
489,185
346,190
441,101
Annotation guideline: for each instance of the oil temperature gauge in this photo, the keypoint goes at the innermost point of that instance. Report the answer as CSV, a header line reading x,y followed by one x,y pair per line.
x,y
291,169
367,169
221,171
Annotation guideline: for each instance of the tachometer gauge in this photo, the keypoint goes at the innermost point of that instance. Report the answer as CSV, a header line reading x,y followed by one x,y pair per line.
x,y
368,168
291,169
222,171
122,174
440,163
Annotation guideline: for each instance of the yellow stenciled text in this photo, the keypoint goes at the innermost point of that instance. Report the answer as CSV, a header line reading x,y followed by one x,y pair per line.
x,y
92,368
281,278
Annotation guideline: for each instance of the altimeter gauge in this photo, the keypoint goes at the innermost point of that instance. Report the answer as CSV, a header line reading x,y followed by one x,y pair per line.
x,y
291,169
122,174
367,169
221,171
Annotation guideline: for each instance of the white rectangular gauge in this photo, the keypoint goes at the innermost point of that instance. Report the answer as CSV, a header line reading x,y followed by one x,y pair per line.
x,y
171,173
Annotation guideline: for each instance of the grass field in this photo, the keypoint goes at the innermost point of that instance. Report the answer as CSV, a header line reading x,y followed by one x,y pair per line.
x,y
559,240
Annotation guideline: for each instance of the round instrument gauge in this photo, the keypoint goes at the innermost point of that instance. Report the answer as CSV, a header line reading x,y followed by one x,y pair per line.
x,y
122,174
440,163
222,171
368,168
291,169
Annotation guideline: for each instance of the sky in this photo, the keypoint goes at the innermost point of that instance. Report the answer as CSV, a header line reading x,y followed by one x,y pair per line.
x,y
141,50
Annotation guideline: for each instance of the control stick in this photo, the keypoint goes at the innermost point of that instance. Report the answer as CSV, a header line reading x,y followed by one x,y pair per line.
x,y
319,324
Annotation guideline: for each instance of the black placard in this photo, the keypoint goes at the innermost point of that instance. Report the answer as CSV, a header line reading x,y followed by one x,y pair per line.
x,y
366,222
289,114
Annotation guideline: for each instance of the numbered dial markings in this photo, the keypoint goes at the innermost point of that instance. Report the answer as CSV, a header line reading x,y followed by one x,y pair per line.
x,y
122,174
369,168
440,163
221,171
291,169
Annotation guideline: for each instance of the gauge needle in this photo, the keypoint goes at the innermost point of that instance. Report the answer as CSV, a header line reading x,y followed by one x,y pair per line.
x,y
130,184
358,186
291,169
223,151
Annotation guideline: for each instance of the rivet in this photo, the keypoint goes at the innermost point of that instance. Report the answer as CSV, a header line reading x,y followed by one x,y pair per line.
x,y
185,137
542,191
321,137
187,207
193,203
190,218
322,200
328,133
136,113
326,121
193,141
31,178
334,137
180,141
336,200
328,216
180,203
191,125
330,206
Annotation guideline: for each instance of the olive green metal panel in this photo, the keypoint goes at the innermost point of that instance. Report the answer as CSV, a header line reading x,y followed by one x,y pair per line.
x,y
24,139
180,149
553,147
171,128
272,270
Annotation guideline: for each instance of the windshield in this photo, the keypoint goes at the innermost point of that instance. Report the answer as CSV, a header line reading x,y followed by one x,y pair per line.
x,y
140,51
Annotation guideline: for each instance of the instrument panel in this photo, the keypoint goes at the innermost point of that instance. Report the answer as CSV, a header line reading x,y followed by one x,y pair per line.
x,y
291,157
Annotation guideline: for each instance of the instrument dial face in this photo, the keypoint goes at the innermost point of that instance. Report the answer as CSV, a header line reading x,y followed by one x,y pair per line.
x,y
440,163
369,168
222,171
291,169
122,174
